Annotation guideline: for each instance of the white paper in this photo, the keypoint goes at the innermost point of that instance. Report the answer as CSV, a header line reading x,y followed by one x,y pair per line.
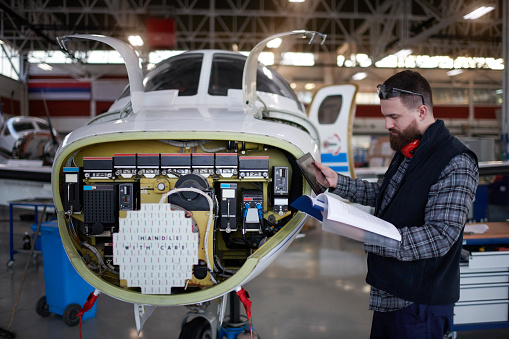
x,y
476,228
344,219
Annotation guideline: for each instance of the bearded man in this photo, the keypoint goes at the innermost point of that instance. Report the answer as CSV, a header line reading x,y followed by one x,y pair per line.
x,y
426,193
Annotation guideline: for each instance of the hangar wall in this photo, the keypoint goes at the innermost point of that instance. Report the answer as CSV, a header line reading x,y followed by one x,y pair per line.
x,y
12,93
71,103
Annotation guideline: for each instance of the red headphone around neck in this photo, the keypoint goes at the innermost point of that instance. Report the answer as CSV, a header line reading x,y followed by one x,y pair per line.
x,y
409,150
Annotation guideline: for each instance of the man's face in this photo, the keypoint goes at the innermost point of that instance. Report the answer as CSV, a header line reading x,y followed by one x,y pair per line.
x,y
401,123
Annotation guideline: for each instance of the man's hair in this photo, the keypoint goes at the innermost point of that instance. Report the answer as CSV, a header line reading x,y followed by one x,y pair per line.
x,y
413,82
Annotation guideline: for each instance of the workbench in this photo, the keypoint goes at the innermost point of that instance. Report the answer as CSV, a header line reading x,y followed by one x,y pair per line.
x,y
36,204
484,280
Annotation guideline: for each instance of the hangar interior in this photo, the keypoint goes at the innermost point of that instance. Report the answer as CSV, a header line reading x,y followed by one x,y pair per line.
x,y
316,288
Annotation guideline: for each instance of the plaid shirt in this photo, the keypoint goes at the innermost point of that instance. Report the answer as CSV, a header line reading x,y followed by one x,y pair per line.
x,y
446,211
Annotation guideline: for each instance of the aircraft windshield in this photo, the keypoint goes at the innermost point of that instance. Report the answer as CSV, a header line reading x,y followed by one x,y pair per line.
x,y
227,70
23,126
43,125
181,73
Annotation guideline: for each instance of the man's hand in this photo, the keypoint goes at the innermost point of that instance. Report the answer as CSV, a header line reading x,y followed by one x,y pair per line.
x,y
325,175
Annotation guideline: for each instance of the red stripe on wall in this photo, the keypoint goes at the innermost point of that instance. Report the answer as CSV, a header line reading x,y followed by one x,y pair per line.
x,y
368,111
68,78
12,107
102,106
62,108
450,112
487,112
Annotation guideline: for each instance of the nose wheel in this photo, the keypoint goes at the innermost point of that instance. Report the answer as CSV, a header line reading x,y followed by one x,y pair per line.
x,y
198,328
205,324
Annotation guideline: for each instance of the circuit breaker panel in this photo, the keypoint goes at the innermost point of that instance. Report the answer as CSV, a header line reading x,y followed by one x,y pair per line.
x,y
163,219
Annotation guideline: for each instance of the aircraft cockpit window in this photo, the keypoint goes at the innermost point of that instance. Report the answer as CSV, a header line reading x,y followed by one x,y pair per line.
x,y
181,73
227,73
329,109
42,126
272,82
23,126
125,93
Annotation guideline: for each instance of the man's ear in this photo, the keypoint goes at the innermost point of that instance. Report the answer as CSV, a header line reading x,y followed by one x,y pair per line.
x,y
423,112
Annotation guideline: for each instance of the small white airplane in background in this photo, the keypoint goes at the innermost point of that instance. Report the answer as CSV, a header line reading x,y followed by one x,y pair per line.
x,y
28,138
180,193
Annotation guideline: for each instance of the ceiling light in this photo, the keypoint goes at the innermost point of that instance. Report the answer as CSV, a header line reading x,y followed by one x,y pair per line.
x,y
478,12
296,0
45,67
135,40
309,86
403,53
274,43
298,59
454,72
359,76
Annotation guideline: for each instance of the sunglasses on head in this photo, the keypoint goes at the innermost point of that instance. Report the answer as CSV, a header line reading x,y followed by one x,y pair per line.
x,y
386,92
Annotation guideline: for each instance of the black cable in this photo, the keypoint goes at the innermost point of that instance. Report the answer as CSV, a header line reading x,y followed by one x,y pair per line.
x,y
231,243
249,245
296,187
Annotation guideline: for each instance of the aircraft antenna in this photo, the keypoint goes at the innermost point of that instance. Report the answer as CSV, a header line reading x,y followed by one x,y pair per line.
x,y
53,136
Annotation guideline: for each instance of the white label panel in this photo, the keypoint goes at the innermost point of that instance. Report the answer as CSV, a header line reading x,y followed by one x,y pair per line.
x,y
155,248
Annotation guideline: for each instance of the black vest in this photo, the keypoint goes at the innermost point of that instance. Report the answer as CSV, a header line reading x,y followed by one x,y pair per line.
x,y
433,281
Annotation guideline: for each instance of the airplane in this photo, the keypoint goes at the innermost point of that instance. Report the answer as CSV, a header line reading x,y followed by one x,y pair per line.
x,y
27,148
28,138
180,194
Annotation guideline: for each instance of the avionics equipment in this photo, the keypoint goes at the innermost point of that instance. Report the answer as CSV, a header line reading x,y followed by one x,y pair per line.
x,y
252,210
228,207
124,165
100,208
175,164
280,185
227,164
98,167
187,212
148,164
254,167
73,189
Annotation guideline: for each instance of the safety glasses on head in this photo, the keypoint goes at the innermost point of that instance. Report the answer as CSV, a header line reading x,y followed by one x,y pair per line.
x,y
386,92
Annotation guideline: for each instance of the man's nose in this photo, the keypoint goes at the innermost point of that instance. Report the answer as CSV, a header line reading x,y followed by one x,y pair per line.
x,y
388,124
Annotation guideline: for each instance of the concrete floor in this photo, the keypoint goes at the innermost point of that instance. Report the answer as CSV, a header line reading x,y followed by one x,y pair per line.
x,y
315,289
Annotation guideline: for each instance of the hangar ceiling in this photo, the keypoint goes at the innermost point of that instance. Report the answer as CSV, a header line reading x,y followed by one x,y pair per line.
x,y
374,27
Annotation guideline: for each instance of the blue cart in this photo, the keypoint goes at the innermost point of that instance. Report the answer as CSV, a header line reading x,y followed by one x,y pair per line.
x,y
66,291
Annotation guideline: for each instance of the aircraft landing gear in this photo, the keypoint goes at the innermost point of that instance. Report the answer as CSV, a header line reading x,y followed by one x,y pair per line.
x,y
205,324
198,328
237,326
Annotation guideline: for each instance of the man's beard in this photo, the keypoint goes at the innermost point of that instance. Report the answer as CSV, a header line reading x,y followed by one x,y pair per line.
x,y
403,138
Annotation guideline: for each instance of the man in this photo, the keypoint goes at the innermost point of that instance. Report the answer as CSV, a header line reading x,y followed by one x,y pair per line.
x,y
426,193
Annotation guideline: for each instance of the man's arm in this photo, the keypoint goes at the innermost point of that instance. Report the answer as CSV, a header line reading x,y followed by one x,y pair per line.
x,y
355,190
449,201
